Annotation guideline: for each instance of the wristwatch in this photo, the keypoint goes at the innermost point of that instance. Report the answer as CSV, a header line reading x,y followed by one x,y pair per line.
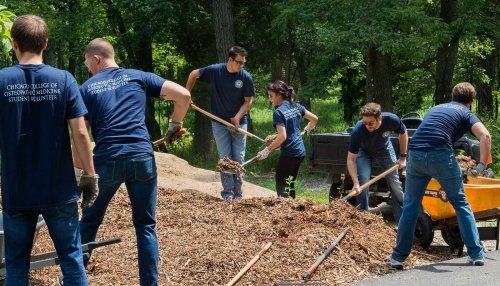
x,y
402,155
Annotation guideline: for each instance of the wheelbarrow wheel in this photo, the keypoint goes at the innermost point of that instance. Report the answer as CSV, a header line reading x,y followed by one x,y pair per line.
x,y
335,192
424,233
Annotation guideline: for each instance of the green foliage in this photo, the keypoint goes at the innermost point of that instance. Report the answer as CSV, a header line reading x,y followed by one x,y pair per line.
x,y
6,19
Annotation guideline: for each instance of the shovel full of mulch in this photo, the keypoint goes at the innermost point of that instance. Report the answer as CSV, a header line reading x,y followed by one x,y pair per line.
x,y
226,165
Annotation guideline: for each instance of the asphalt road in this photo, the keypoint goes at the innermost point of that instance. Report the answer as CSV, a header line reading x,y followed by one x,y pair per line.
x,y
454,272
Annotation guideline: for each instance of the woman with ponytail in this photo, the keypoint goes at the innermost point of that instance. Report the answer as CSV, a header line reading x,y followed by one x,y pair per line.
x,y
286,119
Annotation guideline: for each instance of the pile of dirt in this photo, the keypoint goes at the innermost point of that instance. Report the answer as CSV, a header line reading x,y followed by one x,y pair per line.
x,y
207,241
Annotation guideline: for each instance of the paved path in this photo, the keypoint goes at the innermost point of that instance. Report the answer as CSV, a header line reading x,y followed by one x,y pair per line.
x,y
451,272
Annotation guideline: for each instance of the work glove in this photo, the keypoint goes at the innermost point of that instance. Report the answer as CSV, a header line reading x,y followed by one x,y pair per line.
x,y
236,124
89,189
308,129
477,170
172,131
263,154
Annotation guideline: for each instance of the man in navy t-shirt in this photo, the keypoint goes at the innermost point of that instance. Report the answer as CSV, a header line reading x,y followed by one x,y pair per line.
x,y
431,155
116,100
370,142
36,104
231,95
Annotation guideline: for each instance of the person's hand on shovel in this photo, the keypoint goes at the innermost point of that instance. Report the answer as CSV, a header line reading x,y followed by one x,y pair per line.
x,y
174,132
236,122
263,154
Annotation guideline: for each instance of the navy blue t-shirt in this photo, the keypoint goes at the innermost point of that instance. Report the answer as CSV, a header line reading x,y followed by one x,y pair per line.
x,y
372,142
442,126
116,100
37,168
227,90
289,115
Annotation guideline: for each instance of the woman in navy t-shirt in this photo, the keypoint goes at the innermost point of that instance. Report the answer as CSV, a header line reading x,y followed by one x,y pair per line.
x,y
286,119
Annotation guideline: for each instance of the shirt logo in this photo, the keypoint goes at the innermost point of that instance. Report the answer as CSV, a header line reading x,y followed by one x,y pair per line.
x,y
386,134
238,83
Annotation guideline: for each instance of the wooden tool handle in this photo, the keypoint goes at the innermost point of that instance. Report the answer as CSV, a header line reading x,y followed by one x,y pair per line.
x,y
179,133
228,124
370,182
249,264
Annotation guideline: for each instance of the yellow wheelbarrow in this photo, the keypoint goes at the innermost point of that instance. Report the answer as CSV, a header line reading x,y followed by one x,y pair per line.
x,y
483,195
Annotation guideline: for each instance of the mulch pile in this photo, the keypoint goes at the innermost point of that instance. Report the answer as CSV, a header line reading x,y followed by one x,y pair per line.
x,y
206,241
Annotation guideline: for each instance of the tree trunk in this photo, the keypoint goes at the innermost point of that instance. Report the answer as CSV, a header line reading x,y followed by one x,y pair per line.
x,y
447,59
224,39
224,27
485,89
351,95
144,61
203,140
379,78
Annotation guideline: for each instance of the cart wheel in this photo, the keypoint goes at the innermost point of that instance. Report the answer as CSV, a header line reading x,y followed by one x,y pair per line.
x,y
451,235
334,192
424,233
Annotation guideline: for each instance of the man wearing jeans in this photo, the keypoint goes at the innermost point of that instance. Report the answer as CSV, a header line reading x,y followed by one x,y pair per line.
x,y
431,155
370,142
36,104
231,96
116,100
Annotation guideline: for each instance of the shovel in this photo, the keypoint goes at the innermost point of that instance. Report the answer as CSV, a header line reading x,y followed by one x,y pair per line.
x,y
179,133
220,120
370,182
237,167
232,171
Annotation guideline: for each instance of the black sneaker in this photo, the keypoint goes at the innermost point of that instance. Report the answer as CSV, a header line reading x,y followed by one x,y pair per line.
x,y
393,263
476,262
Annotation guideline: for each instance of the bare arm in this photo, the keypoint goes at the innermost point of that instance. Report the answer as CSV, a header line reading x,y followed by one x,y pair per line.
x,y
179,95
245,107
480,131
353,171
193,76
403,147
82,145
313,120
280,138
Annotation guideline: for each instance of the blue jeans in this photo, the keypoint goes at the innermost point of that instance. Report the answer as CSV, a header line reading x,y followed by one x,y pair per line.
x,y
19,229
138,172
232,145
442,166
386,158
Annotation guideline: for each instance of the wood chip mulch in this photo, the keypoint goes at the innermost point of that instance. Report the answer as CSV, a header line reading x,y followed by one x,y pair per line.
x,y
206,241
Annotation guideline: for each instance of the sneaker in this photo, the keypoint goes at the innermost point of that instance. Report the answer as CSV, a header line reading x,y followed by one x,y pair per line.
x,y
394,263
476,262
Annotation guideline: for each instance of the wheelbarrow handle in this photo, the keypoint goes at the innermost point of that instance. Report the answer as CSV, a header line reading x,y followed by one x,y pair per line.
x,y
95,244
220,120
370,182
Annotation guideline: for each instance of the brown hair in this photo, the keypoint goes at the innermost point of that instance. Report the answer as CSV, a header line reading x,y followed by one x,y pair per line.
x,y
282,89
237,50
30,33
100,47
371,109
463,92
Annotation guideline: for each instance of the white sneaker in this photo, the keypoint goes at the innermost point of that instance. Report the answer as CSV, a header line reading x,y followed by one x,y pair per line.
x,y
394,263
476,262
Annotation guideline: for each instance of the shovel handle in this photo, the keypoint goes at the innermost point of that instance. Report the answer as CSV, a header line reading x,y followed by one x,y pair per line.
x,y
249,264
220,120
179,133
370,182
